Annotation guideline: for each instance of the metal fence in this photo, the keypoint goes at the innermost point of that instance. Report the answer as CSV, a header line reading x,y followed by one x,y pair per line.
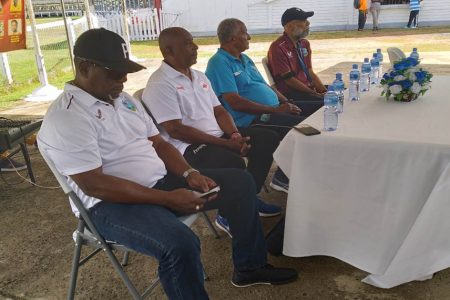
x,y
143,24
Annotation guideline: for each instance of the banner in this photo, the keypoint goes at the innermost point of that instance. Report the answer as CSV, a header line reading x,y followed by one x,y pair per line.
x,y
12,25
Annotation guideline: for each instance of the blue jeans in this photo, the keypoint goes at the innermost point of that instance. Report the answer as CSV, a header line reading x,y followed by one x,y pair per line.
x,y
155,230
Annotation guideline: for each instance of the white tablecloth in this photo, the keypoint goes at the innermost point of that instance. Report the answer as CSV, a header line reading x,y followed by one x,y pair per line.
x,y
376,192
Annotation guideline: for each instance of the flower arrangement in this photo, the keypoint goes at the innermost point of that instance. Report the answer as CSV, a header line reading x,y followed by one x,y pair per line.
x,y
406,80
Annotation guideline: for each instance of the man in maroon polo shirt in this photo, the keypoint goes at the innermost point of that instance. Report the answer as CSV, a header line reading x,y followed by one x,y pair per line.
x,y
290,62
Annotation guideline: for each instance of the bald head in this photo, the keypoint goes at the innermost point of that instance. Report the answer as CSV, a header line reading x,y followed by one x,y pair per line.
x,y
170,37
178,47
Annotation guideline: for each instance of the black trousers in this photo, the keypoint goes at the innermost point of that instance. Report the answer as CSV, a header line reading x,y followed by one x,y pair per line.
x,y
362,17
413,16
263,143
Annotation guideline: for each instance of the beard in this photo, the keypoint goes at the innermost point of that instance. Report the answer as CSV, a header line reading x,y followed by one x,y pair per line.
x,y
302,35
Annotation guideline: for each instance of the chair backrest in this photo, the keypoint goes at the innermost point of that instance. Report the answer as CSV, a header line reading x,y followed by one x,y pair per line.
x,y
73,197
395,54
265,63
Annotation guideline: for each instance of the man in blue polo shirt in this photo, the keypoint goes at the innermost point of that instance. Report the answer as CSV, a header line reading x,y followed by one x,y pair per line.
x,y
243,91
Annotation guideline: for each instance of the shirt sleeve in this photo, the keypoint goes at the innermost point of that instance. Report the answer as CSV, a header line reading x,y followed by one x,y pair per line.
x,y
221,76
162,100
279,63
73,151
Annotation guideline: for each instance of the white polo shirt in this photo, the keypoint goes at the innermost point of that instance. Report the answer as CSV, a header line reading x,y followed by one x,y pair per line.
x,y
81,133
171,95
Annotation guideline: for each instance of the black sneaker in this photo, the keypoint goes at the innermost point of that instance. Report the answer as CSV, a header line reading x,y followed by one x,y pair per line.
x,y
265,275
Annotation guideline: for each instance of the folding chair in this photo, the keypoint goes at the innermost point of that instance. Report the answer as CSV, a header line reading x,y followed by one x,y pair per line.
x,y
265,63
138,96
395,54
87,234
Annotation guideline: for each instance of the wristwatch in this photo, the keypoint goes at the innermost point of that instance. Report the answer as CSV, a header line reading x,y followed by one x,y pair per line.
x,y
188,172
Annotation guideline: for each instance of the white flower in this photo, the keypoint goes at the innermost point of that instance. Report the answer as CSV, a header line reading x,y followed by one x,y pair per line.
x,y
399,78
416,88
395,89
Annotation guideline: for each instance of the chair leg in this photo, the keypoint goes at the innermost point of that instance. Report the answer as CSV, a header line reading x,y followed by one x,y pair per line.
x,y
26,155
126,254
75,262
210,225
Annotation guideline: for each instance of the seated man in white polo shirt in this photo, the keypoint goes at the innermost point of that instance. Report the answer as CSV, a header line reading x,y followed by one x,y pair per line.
x,y
134,184
183,102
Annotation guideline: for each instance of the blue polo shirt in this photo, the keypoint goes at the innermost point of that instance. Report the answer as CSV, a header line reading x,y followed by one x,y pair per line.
x,y
231,75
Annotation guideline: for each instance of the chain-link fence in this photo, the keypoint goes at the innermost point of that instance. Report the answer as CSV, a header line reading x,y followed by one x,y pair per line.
x,y
54,43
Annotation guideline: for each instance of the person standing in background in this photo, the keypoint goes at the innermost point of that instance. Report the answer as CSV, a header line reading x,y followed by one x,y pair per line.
x,y
362,14
414,7
375,8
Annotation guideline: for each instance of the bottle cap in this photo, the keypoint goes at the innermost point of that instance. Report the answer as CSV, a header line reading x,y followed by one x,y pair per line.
x,y
355,66
339,76
378,50
366,59
414,49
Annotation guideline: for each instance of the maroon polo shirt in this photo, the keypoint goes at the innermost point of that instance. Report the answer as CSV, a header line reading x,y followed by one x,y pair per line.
x,y
282,58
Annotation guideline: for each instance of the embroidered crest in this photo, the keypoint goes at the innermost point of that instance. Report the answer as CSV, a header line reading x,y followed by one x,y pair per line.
x,y
99,114
237,73
204,85
289,54
180,87
128,104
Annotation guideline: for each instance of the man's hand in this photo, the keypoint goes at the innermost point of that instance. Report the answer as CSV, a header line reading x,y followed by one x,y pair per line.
x,y
200,182
289,108
238,144
185,201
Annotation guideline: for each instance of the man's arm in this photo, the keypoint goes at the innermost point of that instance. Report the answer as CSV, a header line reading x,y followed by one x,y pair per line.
x,y
96,184
224,120
239,103
317,83
280,96
191,135
176,164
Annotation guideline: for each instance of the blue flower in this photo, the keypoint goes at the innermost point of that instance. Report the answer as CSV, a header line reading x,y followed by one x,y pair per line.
x,y
406,84
420,76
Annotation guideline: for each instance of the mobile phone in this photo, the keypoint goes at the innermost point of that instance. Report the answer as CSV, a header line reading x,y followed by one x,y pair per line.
x,y
307,130
211,192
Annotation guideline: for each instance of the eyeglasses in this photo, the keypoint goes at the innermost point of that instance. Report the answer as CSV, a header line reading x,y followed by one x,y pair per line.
x,y
112,74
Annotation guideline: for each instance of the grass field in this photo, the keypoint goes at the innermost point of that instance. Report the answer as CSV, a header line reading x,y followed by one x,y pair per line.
x,y
56,54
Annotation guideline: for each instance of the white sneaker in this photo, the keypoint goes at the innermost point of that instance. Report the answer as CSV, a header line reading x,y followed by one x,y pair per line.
x,y
10,165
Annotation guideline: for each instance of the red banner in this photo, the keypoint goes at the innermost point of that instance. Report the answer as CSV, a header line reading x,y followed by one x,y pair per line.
x,y
12,25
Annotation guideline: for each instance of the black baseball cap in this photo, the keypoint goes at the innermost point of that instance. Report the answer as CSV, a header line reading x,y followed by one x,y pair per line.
x,y
295,13
107,49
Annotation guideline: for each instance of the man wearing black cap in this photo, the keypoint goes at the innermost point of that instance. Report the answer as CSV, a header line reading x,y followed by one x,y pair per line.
x,y
134,184
290,61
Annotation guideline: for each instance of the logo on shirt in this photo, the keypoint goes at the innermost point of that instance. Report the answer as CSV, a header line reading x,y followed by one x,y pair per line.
x,y
289,54
237,73
99,115
128,104
180,87
204,85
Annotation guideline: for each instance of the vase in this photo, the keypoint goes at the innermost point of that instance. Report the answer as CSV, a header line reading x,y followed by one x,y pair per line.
x,y
408,97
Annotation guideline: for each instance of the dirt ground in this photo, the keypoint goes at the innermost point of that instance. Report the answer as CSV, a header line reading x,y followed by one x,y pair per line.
x,y
36,244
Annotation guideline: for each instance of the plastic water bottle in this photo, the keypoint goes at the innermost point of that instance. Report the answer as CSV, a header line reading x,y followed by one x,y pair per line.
x,y
364,84
414,54
339,87
375,67
380,59
353,88
330,113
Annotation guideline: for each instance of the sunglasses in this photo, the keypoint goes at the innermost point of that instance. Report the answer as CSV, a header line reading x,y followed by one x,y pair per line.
x,y
112,74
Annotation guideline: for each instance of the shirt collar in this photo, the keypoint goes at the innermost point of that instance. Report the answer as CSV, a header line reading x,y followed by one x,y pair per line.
x,y
88,99
229,56
172,73
288,41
